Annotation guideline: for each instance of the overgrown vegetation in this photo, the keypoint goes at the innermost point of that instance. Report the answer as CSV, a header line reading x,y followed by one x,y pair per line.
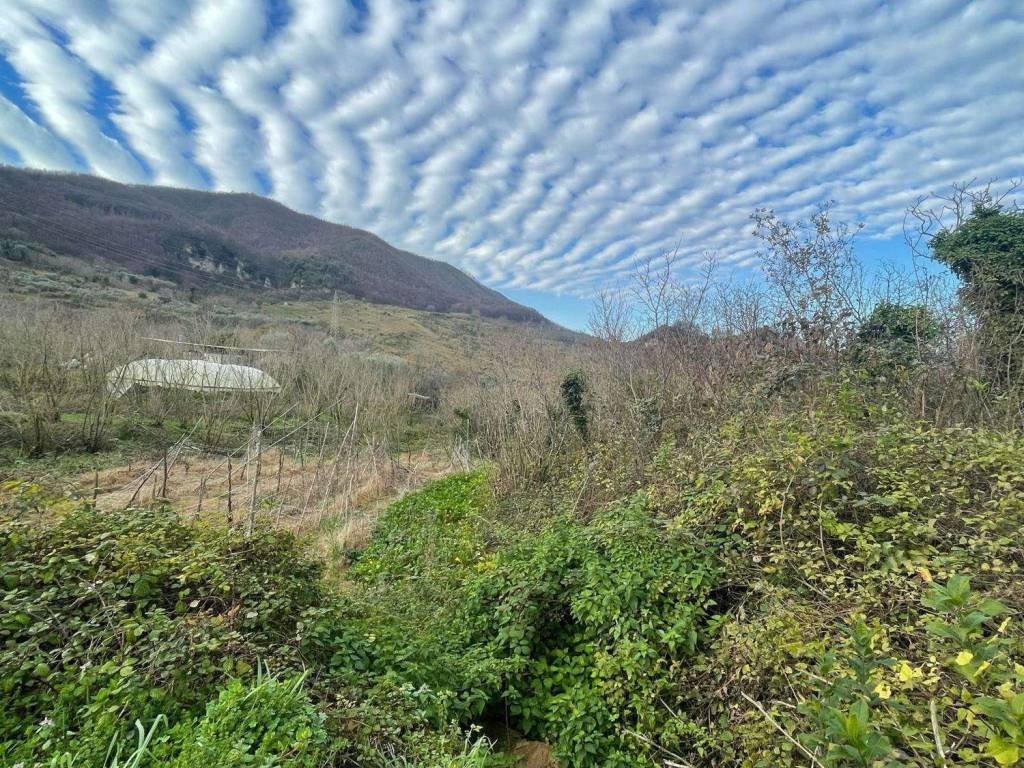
x,y
738,609
748,525
224,650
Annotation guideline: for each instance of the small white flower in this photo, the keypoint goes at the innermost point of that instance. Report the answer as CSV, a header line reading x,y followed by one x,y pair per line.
x,y
46,723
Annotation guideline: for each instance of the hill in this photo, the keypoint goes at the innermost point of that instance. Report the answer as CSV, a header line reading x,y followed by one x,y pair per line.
x,y
453,342
214,242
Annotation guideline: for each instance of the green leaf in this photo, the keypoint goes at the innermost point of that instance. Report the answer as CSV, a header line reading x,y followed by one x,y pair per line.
x,y
1005,752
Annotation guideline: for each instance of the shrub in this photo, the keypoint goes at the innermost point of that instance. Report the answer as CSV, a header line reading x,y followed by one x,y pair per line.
x,y
845,516
595,616
574,391
132,612
986,251
129,638
571,629
893,337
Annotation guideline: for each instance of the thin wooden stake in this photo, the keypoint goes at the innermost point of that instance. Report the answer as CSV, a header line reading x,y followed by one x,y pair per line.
x,y
230,515
258,443
280,466
163,488
202,492
936,733
95,485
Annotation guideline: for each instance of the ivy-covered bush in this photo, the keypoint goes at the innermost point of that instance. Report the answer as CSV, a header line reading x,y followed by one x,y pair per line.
x,y
986,251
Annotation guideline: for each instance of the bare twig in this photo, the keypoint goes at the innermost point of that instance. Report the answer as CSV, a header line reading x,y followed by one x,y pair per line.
x,y
775,723
936,733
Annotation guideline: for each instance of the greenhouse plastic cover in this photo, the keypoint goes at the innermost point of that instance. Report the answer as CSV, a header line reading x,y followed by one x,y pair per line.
x,y
193,375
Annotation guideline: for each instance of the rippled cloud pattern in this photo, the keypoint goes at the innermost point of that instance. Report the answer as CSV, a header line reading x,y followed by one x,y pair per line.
x,y
533,143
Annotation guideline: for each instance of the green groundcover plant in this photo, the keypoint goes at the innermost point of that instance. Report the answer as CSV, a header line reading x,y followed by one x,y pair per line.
x,y
834,586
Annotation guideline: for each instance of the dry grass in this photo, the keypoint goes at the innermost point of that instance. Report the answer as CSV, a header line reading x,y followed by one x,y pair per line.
x,y
332,502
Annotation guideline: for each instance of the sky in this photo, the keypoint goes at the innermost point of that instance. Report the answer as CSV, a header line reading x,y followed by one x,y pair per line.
x,y
543,146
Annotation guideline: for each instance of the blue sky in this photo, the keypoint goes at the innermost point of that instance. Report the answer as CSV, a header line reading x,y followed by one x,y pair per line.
x,y
543,146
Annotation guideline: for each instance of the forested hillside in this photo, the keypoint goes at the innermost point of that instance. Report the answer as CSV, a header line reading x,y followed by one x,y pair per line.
x,y
215,242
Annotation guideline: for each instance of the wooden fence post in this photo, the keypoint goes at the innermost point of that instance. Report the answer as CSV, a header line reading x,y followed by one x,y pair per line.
x,y
163,488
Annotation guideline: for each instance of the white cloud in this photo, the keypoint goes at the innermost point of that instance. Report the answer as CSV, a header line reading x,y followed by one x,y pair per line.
x,y
535,143
34,144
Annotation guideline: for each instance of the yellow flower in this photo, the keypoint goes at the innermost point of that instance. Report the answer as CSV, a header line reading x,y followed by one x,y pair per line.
x,y
883,690
964,658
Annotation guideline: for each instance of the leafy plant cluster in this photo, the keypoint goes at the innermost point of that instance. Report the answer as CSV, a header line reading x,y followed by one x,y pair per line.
x,y
857,531
570,632
134,638
895,337
836,586
986,251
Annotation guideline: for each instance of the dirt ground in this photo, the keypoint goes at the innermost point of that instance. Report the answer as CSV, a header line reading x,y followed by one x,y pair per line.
x,y
331,499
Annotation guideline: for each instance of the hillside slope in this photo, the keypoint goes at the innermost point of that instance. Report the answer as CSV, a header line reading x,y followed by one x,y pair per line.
x,y
216,241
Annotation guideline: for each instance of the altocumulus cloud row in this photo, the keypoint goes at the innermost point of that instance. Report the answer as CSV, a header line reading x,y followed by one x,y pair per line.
x,y
534,143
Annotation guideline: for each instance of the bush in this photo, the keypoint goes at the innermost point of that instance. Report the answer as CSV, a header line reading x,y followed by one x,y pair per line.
x,y
574,393
986,251
132,612
893,337
595,615
846,515
571,630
